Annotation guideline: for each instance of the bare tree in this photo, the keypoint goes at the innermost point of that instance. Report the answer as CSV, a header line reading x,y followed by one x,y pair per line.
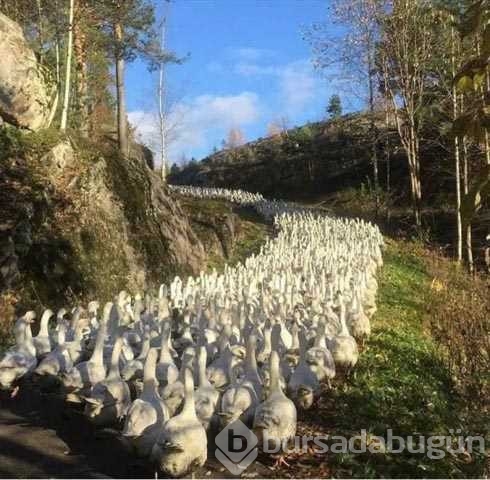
x,y
405,54
235,138
80,50
355,51
454,98
273,129
122,124
69,54
161,104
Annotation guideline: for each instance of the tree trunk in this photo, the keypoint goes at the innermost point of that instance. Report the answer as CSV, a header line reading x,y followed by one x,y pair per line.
x,y
161,109
469,248
40,30
459,225
415,174
80,50
69,48
387,148
374,134
122,127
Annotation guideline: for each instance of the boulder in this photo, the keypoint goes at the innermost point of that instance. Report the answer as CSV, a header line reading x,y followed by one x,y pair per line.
x,y
25,97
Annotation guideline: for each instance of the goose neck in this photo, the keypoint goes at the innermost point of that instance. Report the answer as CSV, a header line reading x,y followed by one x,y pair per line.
x,y
189,408
43,328
145,348
61,334
294,338
251,354
98,353
274,372
116,353
267,340
343,324
149,371
201,364
165,355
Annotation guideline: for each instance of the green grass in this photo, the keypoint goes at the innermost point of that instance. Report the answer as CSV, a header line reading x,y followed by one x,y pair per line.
x,y
206,218
400,383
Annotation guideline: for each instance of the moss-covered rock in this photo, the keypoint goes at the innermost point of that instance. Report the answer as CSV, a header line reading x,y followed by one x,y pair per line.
x,y
78,221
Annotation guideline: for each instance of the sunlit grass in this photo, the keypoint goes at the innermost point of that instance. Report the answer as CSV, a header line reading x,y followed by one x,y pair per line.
x,y
400,383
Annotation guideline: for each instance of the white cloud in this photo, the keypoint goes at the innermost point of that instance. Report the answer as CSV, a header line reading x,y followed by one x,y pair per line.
x,y
298,83
299,86
252,69
191,121
250,54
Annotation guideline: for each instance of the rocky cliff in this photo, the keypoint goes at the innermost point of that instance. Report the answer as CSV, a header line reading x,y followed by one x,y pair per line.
x,y
79,221
26,93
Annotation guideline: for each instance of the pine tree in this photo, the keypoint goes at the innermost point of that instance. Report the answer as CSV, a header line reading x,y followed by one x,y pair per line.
x,y
334,108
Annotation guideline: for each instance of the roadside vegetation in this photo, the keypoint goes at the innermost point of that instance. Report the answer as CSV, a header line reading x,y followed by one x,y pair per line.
x,y
407,380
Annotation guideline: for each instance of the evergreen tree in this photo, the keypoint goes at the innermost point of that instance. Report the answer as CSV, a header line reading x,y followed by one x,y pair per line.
x,y
129,25
334,108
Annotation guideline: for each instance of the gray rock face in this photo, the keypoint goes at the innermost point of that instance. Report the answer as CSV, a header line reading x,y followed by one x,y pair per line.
x,y
24,94
9,271
73,223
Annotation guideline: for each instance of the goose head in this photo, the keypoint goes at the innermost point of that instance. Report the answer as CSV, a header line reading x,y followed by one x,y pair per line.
x,y
140,417
305,396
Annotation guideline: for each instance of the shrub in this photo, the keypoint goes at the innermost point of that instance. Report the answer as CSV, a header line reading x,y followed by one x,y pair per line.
x,y
459,319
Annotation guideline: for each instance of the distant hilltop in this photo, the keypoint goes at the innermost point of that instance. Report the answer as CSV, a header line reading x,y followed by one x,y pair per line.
x,y
305,161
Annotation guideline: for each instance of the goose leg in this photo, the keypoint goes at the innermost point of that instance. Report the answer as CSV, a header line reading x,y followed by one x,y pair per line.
x,y
281,460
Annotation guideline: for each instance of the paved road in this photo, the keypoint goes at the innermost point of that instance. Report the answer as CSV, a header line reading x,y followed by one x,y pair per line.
x,y
41,437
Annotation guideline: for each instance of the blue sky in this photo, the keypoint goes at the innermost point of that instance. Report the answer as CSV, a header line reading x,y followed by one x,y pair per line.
x,y
248,66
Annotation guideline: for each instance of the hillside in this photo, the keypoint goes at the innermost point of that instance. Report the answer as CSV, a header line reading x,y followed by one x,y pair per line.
x,y
78,221
306,161
329,164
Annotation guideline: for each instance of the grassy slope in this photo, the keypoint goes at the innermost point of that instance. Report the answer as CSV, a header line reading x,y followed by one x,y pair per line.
x,y
252,230
399,383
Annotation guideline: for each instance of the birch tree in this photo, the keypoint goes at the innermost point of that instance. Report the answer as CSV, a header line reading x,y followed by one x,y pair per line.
x,y
354,50
405,53
69,54
161,104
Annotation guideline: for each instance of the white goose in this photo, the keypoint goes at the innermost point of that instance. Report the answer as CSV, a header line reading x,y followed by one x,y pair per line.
x,y
166,371
79,380
303,386
148,413
110,399
20,359
182,444
343,346
58,360
357,320
275,418
173,393
238,401
319,357
42,341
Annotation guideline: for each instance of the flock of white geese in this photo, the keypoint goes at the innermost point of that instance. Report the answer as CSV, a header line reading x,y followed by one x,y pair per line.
x,y
256,342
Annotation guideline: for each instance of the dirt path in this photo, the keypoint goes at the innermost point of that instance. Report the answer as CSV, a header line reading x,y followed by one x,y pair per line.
x,y
42,437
